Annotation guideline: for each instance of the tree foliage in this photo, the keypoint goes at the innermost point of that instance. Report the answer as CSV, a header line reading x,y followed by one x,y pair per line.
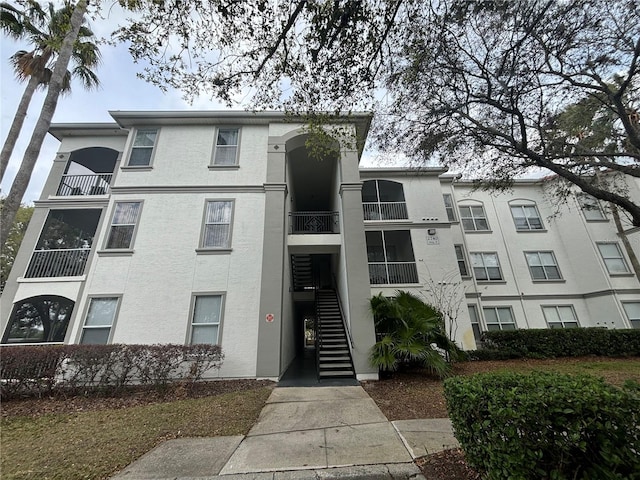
x,y
484,86
410,332
56,82
10,249
44,28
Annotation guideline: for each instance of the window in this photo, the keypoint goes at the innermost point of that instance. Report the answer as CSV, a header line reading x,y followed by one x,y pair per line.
x,y
542,266
100,317
226,146
560,316
383,200
632,309
448,206
473,218
142,148
205,324
125,217
526,217
39,319
217,224
613,259
475,323
390,255
462,261
499,318
591,208
486,266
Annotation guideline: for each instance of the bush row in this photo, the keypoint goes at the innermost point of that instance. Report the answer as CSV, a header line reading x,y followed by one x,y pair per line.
x,y
49,369
542,425
560,342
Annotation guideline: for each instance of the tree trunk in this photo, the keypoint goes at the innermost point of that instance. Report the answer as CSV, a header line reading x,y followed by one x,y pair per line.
x,y
20,183
635,264
16,125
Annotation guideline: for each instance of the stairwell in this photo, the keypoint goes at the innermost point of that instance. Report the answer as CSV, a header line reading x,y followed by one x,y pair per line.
x,y
301,271
334,357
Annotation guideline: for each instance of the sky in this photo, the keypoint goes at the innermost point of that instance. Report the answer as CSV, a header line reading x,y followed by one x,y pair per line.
x,y
120,90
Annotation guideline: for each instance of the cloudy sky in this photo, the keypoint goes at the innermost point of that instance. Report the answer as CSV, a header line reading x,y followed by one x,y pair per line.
x,y
120,90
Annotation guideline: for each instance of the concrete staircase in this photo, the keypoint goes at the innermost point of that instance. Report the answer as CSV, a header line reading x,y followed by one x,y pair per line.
x,y
334,357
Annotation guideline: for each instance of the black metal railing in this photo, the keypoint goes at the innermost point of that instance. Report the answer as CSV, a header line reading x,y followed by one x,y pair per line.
x,y
67,262
72,185
314,222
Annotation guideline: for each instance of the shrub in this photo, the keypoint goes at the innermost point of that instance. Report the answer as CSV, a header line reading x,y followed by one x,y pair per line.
x,y
546,425
29,370
36,370
560,342
410,332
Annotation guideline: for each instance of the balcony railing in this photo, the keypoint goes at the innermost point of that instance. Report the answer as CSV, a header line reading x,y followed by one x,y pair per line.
x,y
68,262
392,273
314,222
385,210
98,184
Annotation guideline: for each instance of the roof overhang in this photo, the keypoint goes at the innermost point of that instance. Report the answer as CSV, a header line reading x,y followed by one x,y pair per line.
x,y
62,130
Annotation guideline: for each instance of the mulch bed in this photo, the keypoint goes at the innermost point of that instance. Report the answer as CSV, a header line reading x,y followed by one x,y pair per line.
x,y
447,465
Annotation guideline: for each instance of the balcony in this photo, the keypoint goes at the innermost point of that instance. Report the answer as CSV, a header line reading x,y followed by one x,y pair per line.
x,y
76,185
381,273
385,210
66,262
314,222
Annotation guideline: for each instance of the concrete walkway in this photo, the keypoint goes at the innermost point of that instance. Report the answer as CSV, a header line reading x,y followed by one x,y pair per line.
x,y
321,432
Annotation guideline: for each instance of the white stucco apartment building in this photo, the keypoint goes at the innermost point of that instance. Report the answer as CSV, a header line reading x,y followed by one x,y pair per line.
x,y
196,227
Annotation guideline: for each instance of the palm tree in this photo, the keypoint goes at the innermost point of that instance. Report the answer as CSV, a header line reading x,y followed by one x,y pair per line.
x,y
19,186
45,30
409,332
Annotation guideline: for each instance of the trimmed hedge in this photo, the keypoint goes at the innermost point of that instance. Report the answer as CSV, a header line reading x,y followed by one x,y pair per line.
x,y
557,342
543,425
49,369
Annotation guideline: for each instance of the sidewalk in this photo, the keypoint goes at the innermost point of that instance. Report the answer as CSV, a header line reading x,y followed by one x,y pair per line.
x,y
319,432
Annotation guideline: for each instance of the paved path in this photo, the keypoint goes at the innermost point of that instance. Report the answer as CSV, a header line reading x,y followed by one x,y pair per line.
x,y
320,432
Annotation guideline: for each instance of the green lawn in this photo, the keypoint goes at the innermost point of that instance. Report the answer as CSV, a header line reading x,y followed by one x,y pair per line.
x,y
95,444
613,370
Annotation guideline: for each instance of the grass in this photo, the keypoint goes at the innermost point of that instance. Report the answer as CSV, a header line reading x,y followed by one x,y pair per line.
x,y
614,370
96,444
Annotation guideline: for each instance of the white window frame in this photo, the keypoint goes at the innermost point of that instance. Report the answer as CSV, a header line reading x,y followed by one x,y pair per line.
x,y
543,265
383,211
473,218
135,224
145,147
476,326
219,148
205,224
193,325
109,327
620,258
561,322
529,227
409,267
497,309
482,256
461,258
449,207
634,321
591,208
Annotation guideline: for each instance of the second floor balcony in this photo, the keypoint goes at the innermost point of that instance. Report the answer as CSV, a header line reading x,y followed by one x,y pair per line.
x,y
385,210
314,222
63,262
